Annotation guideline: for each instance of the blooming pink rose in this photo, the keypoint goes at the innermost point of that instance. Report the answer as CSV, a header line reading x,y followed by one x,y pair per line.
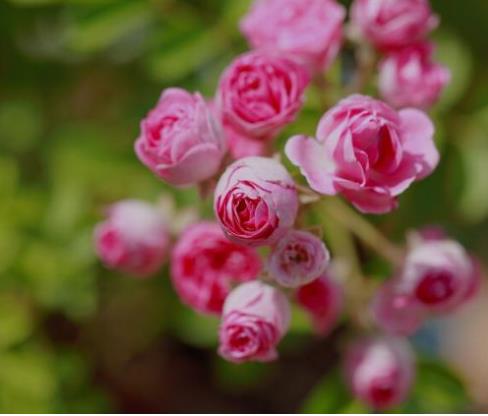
x,y
395,312
180,141
367,152
323,300
409,77
256,201
308,30
393,24
133,239
298,258
255,318
380,371
260,93
204,264
440,275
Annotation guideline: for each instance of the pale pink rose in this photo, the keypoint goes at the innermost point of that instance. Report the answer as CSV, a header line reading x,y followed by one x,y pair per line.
x,y
380,371
255,318
307,30
323,299
367,152
180,141
298,258
256,201
390,24
241,145
440,275
395,312
204,265
133,239
409,77
260,93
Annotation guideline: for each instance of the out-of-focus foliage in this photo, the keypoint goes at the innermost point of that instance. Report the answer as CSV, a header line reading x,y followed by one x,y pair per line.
x,y
76,76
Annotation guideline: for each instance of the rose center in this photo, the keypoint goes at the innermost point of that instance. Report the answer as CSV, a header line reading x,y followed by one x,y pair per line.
x,y
435,287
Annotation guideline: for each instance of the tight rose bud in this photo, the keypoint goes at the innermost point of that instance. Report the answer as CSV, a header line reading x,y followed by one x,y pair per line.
x,y
409,77
380,371
323,300
256,201
440,275
133,238
390,24
297,259
204,264
395,312
261,93
308,30
255,318
180,141
367,152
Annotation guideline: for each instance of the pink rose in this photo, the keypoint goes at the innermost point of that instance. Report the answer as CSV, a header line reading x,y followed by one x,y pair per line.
x,y
297,259
409,77
256,201
204,265
380,371
261,93
367,152
255,318
395,312
440,275
390,24
241,145
180,141
308,30
323,300
133,239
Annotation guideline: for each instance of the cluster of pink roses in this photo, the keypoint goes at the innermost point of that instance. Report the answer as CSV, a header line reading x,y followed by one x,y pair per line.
x,y
364,150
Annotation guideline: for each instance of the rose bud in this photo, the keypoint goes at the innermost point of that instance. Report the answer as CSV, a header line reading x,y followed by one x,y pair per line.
x,y
133,239
180,141
440,275
308,30
260,93
367,152
204,265
297,259
395,312
380,371
256,201
391,24
255,318
323,300
409,77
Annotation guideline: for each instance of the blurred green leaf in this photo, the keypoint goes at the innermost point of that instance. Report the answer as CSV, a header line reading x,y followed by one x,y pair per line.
x,y
20,125
15,320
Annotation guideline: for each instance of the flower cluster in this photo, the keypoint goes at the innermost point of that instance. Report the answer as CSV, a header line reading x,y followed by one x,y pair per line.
x,y
265,250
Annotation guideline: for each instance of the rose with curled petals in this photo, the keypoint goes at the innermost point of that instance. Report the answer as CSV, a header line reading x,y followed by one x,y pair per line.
x,y
367,152
308,30
297,259
256,201
255,318
180,140
260,93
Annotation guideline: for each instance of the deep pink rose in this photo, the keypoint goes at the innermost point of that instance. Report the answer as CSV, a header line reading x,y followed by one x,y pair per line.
x,y
307,30
204,265
390,24
180,141
255,318
260,93
440,275
256,201
133,239
323,299
298,258
409,77
367,152
380,371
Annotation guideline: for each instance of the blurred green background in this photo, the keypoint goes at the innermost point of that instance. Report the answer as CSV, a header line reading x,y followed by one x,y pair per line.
x,y
76,77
